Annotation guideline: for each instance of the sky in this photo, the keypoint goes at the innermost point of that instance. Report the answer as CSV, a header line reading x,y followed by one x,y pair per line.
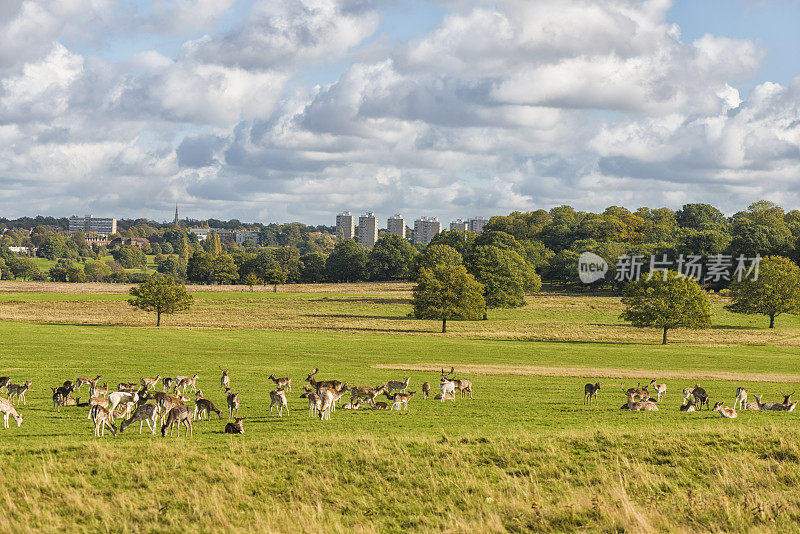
x,y
295,110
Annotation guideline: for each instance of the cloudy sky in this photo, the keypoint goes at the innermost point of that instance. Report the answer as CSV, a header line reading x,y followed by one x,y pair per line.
x,y
294,110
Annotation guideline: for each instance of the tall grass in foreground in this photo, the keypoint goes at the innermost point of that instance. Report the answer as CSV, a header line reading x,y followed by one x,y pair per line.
x,y
714,479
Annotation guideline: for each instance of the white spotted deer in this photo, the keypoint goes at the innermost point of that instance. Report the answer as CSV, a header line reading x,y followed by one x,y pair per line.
x,y
9,411
725,411
399,385
401,400
148,383
102,419
661,390
278,398
740,399
639,406
91,382
282,383
146,413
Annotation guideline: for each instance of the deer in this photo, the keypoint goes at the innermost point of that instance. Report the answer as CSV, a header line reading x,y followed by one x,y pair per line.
x,y
740,399
102,419
167,383
128,387
365,392
61,394
333,384
639,406
236,427
146,413
661,389
284,383
639,393
328,398
725,411
121,397
233,403
352,405
589,392
447,386
148,383
9,411
4,382
426,390
786,401
203,406
700,397
96,401
687,394
689,406
18,391
278,397
445,396
775,406
186,381
225,379
98,391
91,382
167,402
314,402
178,415
399,385
381,406
401,400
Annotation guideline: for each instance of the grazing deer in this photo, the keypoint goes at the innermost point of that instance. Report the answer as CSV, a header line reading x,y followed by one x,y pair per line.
x,y
121,397
589,392
61,394
687,394
167,402
98,391
102,419
278,398
178,415
639,406
426,390
399,385
445,396
233,403
381,406
328,399
661,389
333,384
724,411
740,399
447,386
146,413
285,382
8,410
701,397
187,381
91,382
204,407
148,383
167,383
365,392
4,382
352,405
464,387
96,401
18,391
225,379
314,402
689,406
401,400
236,427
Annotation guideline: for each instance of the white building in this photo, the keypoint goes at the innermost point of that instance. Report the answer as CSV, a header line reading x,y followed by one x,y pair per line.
x,y
345,225
367,230
459,225
95,225
425,229
396,225
476,224
244,235
201,233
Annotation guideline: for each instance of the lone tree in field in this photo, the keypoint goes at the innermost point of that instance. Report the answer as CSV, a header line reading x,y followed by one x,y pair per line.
x,y
671,303
274,277
447,292
161,294
776,291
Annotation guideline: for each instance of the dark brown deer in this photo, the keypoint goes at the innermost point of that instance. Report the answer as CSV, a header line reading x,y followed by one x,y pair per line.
x,y
589,392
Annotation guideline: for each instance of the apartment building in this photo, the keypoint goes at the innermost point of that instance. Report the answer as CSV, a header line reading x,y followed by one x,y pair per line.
x,y
396,225
91,224
459,225
476,224
367,230
425,229
345,225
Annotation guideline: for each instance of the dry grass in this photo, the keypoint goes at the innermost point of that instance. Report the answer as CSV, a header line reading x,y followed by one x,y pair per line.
x,y
11,286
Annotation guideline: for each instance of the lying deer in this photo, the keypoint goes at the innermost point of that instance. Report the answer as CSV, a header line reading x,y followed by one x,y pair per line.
x,y
179,415
8,410
352,405
639,406
236,427
724,411
689,406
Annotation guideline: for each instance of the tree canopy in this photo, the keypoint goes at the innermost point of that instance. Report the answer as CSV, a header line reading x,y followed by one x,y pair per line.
x,y
776,290
447,292
161,294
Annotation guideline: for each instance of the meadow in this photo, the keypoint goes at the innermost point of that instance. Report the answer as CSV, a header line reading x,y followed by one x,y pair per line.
x,y
524,455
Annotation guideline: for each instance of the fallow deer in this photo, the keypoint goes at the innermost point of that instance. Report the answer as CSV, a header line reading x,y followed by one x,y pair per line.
x,y
186,381
285,382
725,411
225,379
447,386
661,390
4,382
399,385
167,383
99,391
639,406
278,398
689,406
18,391
121,397
701,397
91,382
426,390
178,415
333,384
233,404
687,394
236,427
366,393
102,419
401,400
589,392
8,410
204,407
148,383
146,413
352,405
740,399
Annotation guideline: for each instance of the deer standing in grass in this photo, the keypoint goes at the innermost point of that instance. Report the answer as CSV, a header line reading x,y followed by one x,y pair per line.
x,y
278,398
333,384
447,386
8,410
18,391
401,400
661,390
148,383
91,382
225,379
102,419
589,392
725,411
740,399
146,413
204,407
426,390
284,383
4,382
701,397
187,381
399,385
233,404
179,415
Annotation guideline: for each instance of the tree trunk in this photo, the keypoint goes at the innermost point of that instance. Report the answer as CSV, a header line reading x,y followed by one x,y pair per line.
x,y
772,321
444,325
275,288
485,314
158,319
664,339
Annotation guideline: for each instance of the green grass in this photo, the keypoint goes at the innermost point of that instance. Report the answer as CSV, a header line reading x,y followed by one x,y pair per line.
x,y
524,454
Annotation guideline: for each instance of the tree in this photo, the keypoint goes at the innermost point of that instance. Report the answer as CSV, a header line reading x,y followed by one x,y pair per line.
x,y
392,258
435,255
672,303
504,274
96,271
776,291
26,269
347,262
160,294
130,257
447,292
223,269
312,268
250,280
275,277
198,268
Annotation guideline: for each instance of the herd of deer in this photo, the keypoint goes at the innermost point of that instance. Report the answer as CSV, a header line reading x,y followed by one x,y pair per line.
x,y
694,398
131,400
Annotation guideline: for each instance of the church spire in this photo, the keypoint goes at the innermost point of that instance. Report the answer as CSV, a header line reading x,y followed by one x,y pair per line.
x,y
176,214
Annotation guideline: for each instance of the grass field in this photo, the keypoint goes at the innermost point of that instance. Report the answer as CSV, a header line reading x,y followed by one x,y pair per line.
x,y
524,454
